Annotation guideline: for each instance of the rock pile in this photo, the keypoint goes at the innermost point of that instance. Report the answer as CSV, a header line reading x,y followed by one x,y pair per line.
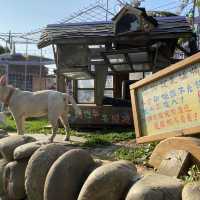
x,y
30,170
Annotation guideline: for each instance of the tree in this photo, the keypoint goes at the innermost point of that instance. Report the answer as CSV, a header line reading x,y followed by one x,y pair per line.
x,y
4,50
185,3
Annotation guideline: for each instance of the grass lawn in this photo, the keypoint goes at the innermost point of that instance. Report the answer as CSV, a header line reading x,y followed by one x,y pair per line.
x,y
138,155
102,138
31,125
95,137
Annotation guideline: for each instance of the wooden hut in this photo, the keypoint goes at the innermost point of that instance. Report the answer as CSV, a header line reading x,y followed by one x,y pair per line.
x,y
133,42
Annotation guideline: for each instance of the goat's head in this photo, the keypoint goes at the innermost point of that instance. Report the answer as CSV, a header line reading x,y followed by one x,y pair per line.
x,y
3,81
3,87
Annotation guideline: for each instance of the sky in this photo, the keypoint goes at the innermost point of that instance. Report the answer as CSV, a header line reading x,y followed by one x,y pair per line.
x,y
28,15
22,16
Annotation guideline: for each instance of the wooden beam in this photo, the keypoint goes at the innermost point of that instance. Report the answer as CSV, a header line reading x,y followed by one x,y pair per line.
x,y
129,61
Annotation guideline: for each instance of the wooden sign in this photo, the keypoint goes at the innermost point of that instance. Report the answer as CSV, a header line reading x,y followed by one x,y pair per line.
x,y
167,103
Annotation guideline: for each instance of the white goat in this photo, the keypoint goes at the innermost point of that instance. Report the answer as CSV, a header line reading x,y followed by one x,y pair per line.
x,y
24,104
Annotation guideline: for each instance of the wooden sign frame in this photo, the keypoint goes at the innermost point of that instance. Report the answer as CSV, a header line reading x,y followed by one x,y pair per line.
x,y
161,74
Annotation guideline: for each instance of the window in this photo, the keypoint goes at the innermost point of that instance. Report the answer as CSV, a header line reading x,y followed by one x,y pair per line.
x,y
128,22
85,93
18,81
109,86
85,96
84,84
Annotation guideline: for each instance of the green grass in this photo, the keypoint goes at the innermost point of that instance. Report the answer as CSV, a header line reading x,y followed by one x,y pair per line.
x,y
31,125
96,141
193,174
102,138
138,155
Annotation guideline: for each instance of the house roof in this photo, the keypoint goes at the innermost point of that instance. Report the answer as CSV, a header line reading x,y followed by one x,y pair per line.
x,y
138,11
173,26
20,59
55,32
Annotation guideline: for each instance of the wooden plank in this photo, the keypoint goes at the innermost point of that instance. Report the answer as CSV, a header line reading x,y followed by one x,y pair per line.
x,y
189,144
175,163
168,102
135,114
152,138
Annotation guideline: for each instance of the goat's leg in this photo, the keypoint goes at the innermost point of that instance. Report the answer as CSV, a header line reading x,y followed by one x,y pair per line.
x,y
20,125
65,122
54,124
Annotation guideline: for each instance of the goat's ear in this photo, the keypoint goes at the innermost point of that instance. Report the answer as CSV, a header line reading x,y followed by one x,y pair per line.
x,y
3,80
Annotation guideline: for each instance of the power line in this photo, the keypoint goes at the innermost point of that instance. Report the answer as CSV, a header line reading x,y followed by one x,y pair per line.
x,y
172,7
164,5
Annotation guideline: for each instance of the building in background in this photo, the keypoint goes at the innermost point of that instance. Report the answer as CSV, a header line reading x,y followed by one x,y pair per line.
x,y
26,72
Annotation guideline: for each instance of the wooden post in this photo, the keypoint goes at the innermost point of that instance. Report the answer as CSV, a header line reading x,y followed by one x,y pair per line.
x,y
101,75
60,78
60,82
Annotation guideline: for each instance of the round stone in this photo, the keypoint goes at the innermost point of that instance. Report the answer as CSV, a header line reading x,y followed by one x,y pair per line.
x,y
14,180
109,182
26,150
3,133
8,145
159,187
3,164
191,191
67,175
38,168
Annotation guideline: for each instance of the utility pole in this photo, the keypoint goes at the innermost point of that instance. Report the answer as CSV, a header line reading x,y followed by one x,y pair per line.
x,y
25,70
41,69
107,7
193,13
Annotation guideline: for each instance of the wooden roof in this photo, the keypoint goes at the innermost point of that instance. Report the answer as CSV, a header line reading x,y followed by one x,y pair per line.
x,y
102,32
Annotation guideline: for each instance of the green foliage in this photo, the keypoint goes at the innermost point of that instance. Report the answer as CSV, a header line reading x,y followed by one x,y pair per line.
x,y
112,137
10,125
105,139
36,126
31,125
4,50
198,3
96,142
193,174
138,155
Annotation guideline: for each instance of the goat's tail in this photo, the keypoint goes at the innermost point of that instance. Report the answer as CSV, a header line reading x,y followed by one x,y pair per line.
x,y
74,105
